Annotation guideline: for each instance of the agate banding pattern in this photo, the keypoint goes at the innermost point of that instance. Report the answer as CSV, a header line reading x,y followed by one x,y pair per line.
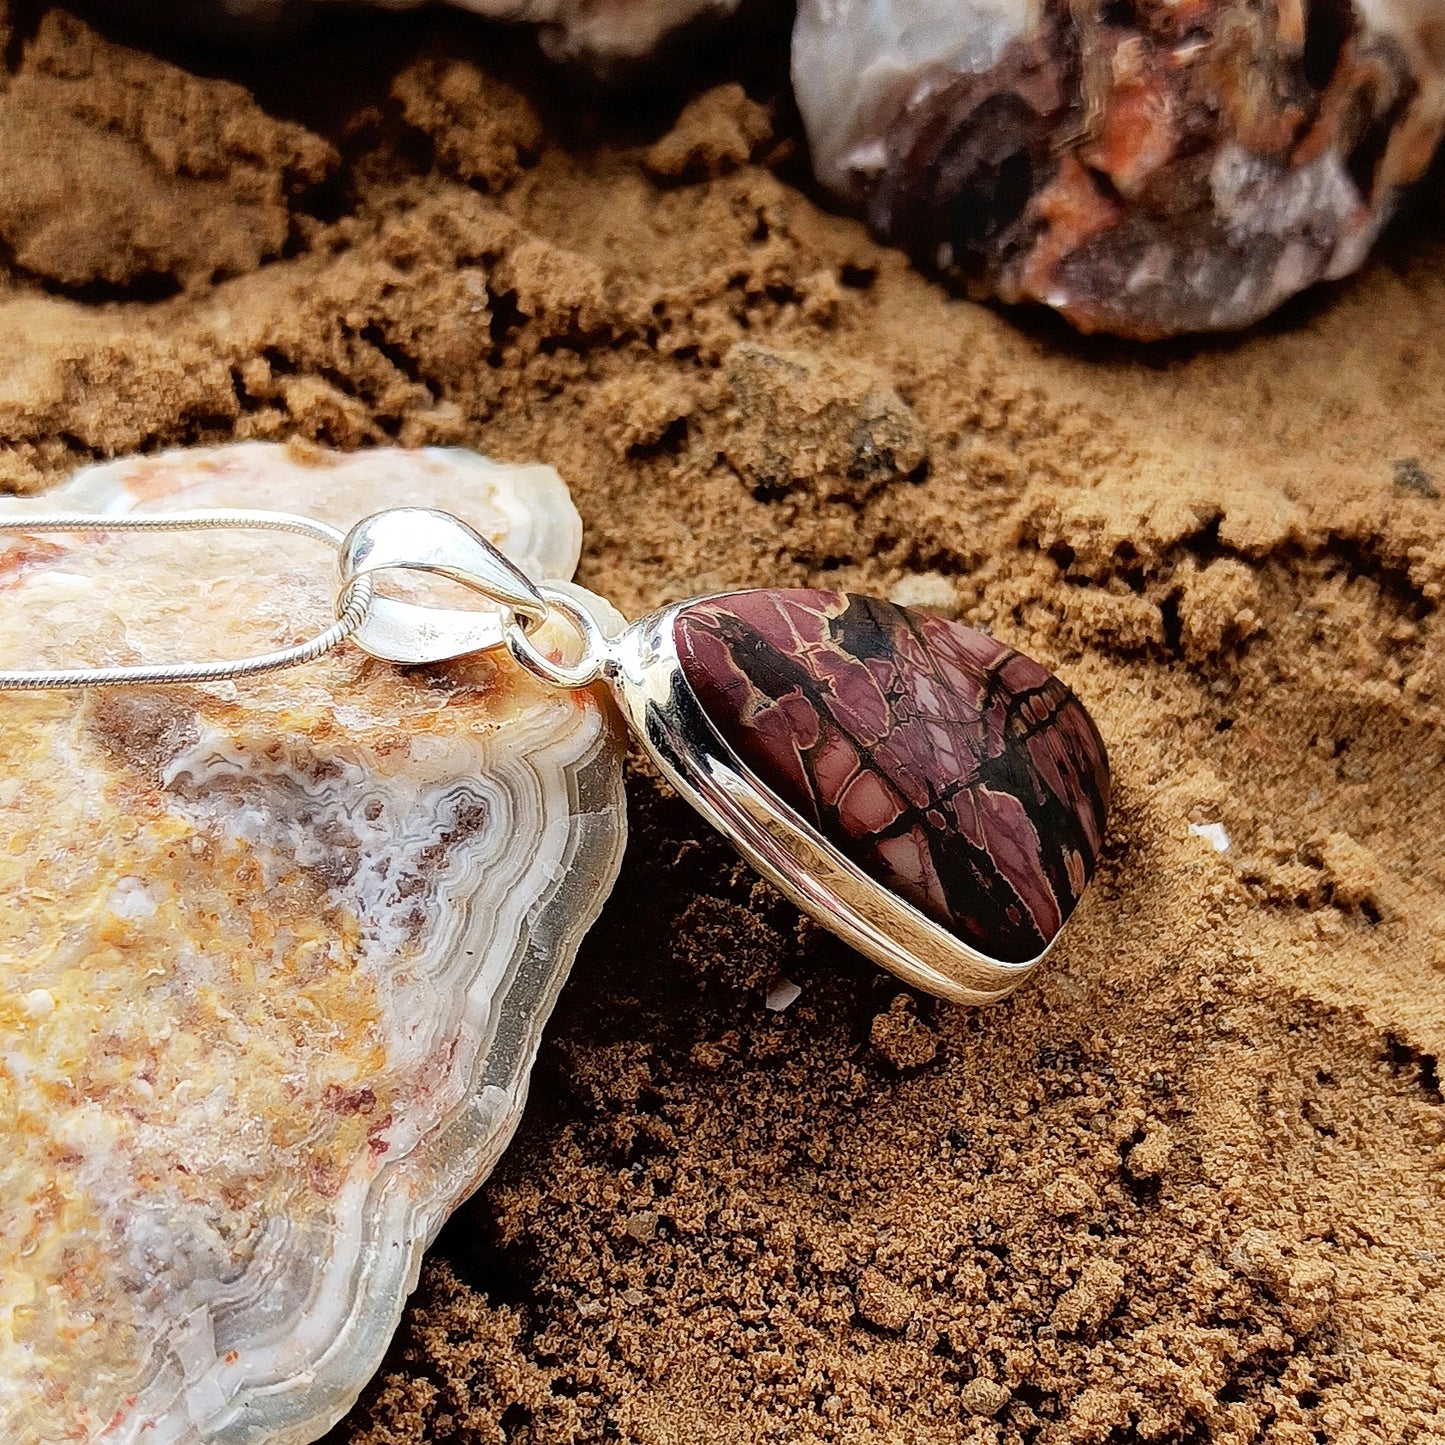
x,y
948,767
277,954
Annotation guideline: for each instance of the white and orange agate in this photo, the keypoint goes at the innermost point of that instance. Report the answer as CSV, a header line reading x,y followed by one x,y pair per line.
x,y
276,953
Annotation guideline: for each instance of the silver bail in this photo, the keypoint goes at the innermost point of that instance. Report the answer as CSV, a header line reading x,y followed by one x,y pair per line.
x,y
420,539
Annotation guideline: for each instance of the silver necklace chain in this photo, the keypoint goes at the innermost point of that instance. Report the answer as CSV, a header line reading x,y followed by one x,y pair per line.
x,y
353,603
408,539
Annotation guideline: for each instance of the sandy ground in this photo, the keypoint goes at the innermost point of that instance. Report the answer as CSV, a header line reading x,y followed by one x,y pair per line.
x,y
1186,1186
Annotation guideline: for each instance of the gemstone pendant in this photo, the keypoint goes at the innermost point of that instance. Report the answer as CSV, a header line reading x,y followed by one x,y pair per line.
x,y
930,795
933,797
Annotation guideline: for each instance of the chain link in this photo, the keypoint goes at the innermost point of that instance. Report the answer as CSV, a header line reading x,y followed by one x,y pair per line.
x,y
590,664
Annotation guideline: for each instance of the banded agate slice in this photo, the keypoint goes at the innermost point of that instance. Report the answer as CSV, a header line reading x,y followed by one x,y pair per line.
x,y
274,955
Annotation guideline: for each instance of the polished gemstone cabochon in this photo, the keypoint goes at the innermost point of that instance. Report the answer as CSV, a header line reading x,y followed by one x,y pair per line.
x,y
948,767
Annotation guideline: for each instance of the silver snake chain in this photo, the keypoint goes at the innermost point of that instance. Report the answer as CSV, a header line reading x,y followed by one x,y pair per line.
x,y
352,606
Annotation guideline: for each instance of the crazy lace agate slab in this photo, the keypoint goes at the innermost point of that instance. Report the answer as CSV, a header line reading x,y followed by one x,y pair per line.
x,y
276,954
957,772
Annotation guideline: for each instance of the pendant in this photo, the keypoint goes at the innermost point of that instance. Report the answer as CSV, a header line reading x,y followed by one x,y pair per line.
x,y
931,796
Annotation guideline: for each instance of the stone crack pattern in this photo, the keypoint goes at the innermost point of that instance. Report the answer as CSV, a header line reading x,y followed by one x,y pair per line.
x,y
957,772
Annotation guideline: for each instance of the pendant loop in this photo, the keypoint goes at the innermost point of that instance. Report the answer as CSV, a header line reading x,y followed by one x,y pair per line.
x,y
596,647
419,539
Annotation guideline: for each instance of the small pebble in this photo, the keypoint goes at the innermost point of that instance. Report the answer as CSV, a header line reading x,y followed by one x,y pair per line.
x,y
1213,834
926,592
984,1397
782,993
901,1037
39,1003
882,1302
642,1225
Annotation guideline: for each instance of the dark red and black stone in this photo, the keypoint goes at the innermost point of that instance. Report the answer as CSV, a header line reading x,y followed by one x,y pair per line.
x,y
950,768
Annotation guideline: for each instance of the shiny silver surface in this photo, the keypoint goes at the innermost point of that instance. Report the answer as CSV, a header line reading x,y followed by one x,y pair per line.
x,y
644,672
420,539
593,658
664,714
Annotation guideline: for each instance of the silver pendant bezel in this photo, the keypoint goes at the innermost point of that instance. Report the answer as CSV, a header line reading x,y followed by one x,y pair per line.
x,y
665,716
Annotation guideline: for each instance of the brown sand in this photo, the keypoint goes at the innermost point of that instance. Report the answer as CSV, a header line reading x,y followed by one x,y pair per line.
x,y
1188,1185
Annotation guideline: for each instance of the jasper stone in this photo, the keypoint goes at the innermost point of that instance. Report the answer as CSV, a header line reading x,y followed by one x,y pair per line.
x,y
950,768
